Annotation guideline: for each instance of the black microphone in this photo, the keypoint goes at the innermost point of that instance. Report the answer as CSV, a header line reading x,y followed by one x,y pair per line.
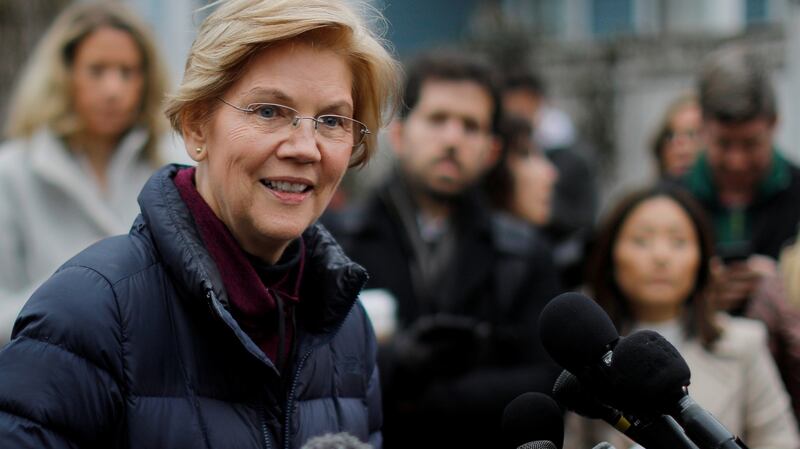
x,y
569,392
652,378
576,332
533,421
655,432
580,336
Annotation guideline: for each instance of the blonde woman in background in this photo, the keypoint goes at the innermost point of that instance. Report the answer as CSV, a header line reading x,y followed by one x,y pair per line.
x,y
83,133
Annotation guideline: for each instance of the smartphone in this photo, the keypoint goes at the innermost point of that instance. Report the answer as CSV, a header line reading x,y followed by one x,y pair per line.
x,y
730,252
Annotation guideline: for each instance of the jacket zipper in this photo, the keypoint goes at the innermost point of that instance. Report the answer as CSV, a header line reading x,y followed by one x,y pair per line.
x,y
264,430
296,375
290,399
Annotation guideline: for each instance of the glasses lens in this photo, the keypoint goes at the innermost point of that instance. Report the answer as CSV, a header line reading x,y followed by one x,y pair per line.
x,y
272,116
338,129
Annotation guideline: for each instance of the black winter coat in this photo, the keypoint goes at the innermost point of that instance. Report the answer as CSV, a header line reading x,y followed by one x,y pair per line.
x,y
503,275
131,344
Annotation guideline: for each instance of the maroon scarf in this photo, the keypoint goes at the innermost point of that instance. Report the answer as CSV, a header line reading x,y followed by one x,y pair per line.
x,y
252,297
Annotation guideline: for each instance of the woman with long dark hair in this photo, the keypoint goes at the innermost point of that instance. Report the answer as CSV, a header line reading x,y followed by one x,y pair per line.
x,y
650,269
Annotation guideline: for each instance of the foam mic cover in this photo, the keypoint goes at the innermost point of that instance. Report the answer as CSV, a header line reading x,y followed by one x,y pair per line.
x,y
576,331
648,372
569,392
531,421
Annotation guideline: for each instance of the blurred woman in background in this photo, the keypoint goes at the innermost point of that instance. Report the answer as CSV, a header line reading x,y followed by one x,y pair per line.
x,y
650,269
84,130
522,182
677,141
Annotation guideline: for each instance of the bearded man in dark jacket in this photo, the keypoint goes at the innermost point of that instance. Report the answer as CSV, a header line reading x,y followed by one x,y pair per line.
x,y
468,284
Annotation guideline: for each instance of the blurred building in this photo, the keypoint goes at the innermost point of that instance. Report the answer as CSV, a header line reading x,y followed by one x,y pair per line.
x,y
593,19
22,23
175,24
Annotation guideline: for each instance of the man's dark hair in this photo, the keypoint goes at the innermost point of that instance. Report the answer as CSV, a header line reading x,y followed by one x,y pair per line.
x,y
499,181
524,80
450,65
734,86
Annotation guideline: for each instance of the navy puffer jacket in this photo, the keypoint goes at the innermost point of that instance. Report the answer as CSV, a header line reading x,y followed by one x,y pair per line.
x,y
131,344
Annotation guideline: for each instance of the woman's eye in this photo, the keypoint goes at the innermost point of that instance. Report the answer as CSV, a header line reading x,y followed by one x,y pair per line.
x,y
679,242
330,121
266,111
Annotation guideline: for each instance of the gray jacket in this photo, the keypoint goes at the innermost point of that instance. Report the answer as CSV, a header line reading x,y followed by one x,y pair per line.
x,y
51,208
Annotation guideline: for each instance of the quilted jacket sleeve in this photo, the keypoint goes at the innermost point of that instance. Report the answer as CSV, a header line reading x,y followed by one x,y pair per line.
x,y
60,374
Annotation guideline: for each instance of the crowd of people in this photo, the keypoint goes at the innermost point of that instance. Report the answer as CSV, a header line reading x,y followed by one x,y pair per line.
x,y
195,290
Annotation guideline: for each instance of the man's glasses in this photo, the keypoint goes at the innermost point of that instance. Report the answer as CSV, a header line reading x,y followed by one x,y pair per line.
x,y
332,128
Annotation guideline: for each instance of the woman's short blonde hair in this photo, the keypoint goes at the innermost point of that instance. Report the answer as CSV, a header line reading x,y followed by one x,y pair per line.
x,y
238,29
43,96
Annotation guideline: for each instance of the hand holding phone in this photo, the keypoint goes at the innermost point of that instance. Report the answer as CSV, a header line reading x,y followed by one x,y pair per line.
x,y
732,252
733,279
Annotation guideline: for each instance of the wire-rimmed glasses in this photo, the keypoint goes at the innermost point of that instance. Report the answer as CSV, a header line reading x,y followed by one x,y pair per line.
x,y
336,129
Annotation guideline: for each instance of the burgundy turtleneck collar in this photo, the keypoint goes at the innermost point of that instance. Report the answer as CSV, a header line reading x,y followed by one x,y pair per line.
x,y
253,287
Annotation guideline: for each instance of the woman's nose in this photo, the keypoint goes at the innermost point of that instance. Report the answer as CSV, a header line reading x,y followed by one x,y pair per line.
x,y
661,251
112,83
301,143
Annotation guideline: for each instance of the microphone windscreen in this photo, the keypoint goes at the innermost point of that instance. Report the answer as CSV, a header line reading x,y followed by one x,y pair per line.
x,y
532,418
576,331
569,392
649,373
544,444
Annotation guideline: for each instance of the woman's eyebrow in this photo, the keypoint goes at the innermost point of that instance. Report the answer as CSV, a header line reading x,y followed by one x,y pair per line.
x,y
341,107
276,94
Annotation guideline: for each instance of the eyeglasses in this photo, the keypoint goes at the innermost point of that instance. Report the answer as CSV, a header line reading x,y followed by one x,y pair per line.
x,y
335,129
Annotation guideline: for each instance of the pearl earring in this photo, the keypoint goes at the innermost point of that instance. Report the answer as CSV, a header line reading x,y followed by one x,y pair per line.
x,y
198,150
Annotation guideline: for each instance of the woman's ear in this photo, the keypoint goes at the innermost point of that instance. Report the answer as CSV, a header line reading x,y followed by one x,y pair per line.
x,y
194,138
